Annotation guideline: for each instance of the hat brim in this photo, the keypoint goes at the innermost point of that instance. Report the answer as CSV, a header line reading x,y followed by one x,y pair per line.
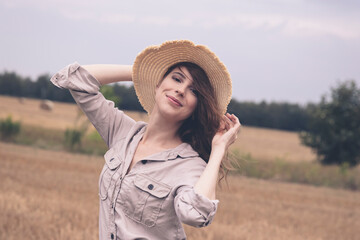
x,y
152,63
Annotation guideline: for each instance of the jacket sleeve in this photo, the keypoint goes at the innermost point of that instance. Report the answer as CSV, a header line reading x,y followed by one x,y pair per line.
x,y
194,209
111,123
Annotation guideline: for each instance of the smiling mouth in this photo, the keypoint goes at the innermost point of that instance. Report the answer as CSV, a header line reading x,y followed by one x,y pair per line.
x,y
174,100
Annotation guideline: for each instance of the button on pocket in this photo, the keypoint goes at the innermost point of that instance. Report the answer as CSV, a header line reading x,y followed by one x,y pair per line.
x,y
143,199
112,164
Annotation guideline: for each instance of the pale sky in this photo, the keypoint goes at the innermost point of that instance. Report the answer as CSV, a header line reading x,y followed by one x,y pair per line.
x,y
275,50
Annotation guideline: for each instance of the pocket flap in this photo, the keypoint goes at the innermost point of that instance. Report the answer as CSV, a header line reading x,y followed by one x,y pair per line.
x,y
150,185
112,160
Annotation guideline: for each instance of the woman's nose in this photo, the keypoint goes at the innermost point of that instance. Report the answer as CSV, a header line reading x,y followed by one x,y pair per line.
x,y
180,90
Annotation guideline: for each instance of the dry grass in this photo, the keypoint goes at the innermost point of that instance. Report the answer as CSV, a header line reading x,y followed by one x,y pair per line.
x,y
53,195
61,117
263,144
47,195
270,144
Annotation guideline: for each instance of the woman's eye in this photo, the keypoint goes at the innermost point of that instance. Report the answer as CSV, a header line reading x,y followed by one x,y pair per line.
x,y
176,79
196,93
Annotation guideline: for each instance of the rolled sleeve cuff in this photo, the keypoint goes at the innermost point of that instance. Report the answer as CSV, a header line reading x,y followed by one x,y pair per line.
x,y
74,77
196,210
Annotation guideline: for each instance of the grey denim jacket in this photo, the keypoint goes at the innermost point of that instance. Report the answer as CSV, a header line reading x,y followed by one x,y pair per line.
x,y
156,196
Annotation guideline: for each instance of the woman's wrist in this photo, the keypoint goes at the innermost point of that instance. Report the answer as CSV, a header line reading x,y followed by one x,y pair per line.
x,y
217,153
219,148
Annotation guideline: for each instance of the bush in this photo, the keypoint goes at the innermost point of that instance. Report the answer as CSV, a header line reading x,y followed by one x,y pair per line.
x,y
73,138
9,129
334,127
109,94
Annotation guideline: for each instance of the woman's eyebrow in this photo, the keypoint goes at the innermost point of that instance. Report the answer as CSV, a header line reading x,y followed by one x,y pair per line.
x,y
181,74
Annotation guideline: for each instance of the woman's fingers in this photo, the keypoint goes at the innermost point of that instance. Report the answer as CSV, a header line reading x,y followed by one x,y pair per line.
x,y
232,119
229,120
228,130
234,122
226,122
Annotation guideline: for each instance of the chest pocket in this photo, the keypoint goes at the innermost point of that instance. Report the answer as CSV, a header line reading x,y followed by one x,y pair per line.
x,y
109,174
142,200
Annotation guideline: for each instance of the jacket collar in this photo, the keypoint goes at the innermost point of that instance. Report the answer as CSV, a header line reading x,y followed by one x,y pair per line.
x,y
184,150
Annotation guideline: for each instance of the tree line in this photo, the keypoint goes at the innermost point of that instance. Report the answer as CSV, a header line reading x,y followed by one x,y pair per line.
x,y
12,84
285,116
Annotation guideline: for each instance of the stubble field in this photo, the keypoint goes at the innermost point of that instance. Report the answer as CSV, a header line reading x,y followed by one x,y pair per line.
x,y
53,194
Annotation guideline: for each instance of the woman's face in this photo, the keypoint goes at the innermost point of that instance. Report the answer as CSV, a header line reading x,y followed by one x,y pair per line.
x,y
175,97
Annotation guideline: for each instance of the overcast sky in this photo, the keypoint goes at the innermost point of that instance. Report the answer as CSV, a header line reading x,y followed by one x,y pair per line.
x,y
275,50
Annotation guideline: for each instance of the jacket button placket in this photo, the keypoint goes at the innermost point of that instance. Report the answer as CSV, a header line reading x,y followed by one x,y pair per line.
x,y
115,183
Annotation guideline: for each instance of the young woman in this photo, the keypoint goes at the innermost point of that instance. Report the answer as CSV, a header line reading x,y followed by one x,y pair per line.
x,y
163,173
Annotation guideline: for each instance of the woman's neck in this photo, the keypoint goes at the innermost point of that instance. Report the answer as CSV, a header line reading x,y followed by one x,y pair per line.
x,y
162,132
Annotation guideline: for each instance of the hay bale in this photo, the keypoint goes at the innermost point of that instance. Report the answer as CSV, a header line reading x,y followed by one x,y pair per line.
x,y
47,105
21,100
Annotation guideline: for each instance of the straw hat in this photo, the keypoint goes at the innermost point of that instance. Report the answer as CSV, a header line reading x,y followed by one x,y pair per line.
x,y
152,63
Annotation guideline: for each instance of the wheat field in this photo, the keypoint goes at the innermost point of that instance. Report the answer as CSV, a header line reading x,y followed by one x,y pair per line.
x,y
48,194
53,195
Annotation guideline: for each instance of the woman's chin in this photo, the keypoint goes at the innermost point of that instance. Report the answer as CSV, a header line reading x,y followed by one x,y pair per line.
x,y
170,113
173,115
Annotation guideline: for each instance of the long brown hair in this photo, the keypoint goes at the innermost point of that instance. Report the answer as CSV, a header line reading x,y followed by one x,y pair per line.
x,y
199,129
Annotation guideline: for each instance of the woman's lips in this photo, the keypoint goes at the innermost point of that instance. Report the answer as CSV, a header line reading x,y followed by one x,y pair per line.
x,y
174,100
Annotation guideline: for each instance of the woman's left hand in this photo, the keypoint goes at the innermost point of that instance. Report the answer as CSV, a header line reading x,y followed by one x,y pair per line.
x,y
224,137
227,133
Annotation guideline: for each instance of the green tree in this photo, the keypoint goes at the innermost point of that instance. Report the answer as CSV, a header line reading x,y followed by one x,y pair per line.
x,y
129,100
109,94
334,126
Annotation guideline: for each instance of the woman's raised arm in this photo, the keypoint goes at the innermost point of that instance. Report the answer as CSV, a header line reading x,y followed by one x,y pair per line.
x,y
225,136
111,123
109,73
